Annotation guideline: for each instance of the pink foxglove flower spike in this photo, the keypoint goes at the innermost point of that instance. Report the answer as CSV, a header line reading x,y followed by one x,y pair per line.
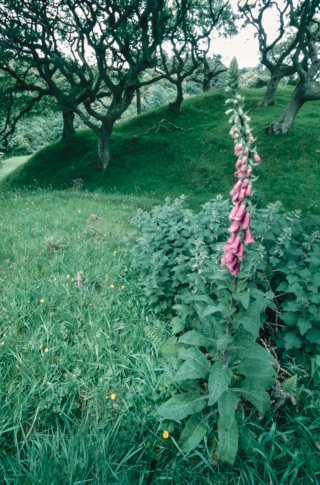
x,y
239,216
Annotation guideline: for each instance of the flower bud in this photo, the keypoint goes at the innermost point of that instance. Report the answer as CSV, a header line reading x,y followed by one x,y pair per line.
x,y
256,158
245,151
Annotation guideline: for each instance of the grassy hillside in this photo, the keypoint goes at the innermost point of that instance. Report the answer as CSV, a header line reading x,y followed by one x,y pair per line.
x,y
197,160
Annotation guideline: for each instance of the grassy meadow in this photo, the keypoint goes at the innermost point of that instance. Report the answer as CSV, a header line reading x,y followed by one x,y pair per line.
x,y
84,360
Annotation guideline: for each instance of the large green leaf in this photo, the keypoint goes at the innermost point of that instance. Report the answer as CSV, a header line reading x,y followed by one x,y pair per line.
x,y
195,367
246,347
243,298
192,434
258,369
196,339
228,441
314,335
182,405
219,380
227,404
292,341
256,395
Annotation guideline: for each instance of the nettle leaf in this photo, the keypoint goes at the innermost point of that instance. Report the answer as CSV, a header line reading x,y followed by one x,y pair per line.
x,y
227,405
256,395
314,336
219,380
182,405
259,370
243,298
228,441
245,347
178,325
195,338
250,324
289,318
282,287
195,367
292,341
303,325
194,431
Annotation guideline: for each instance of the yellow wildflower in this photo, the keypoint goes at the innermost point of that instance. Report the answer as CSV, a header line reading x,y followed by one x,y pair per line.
x,y
111,286
2,343
42,300
113,396
122,287
40,346
46,350
165,434
68,276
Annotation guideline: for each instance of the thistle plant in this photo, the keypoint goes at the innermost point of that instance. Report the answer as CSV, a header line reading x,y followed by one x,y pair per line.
x,y
247,158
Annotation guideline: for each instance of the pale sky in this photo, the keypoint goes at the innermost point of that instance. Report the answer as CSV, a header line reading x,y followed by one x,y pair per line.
x,y
244,45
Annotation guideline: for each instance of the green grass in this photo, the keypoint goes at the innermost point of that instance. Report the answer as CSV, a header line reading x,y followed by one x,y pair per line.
x,y
7,166
197,162
58,424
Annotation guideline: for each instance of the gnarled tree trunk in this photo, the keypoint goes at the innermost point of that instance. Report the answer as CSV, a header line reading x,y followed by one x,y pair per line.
x,y
176,105
138,95
269,97
104,146
68,128
285,122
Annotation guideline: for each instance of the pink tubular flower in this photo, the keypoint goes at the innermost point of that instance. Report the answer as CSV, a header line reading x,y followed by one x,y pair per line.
x,y
234,226
235,269
240,212
242,194
256,158
239,215
240,251
249,190
246,221
248,238
233,212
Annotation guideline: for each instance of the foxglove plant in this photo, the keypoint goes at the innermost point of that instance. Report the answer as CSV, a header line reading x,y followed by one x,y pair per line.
x,y
233,368
247,158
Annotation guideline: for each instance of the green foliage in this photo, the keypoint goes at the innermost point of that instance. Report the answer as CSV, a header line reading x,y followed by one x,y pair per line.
x,y
177,255
233,77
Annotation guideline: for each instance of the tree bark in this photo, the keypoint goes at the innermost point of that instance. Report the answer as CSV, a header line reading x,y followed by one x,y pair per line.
x,y
269,97
285,122
104,146
206,84
138,94
176,105
68,128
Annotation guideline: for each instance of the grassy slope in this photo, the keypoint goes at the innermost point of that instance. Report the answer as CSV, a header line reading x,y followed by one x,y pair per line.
x,y
197,162
11,164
